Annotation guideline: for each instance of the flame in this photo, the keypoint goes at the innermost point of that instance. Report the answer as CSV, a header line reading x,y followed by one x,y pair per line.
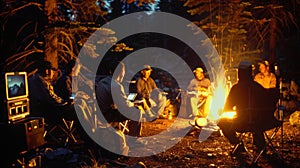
x,y
228,114
218,99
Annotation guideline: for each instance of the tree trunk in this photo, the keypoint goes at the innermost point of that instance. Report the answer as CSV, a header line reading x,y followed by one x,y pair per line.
x,y
272,46
51,46
51,33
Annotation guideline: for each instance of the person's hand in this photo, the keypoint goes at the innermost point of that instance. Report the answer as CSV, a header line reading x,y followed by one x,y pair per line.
x,y
70,102
138,102
204,93
192,93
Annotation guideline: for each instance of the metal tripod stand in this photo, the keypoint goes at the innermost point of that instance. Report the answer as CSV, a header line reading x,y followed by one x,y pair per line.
x,y
281,109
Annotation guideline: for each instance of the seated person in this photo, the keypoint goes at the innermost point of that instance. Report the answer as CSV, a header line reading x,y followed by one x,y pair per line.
x,y
112,108
63,85
93,127
68,84
265,77
158,101
199,91
44,102
147,90
253,104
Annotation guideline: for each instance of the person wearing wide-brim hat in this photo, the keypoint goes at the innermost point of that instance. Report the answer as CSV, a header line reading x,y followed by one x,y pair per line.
x,y
147,68
44,102
145,85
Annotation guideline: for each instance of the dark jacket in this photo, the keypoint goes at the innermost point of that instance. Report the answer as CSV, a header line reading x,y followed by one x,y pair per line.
x,y
43,101
254,104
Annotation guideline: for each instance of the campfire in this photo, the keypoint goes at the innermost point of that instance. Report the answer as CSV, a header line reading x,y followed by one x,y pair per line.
x,y
216,104
228,114
220,93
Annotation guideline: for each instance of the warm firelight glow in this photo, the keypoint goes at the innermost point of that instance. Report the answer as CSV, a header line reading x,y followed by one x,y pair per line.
x,y
218,100
201,122
228,115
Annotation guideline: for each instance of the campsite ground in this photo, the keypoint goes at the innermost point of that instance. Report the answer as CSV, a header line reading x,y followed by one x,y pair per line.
x,y
215,150
190,152
212,151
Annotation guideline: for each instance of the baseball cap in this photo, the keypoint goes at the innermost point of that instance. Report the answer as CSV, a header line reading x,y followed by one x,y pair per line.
x,y
245,65
198,70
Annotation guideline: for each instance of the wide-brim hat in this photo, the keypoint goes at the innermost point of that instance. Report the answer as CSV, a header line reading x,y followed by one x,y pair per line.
x,y
46,65
147,68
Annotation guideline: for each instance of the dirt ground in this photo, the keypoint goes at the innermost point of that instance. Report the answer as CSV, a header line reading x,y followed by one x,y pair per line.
x,y
213,151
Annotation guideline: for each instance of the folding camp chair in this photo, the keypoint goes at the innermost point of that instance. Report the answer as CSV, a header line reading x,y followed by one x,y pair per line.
x,y
269,132
68,128
61,132
269,139
123,126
